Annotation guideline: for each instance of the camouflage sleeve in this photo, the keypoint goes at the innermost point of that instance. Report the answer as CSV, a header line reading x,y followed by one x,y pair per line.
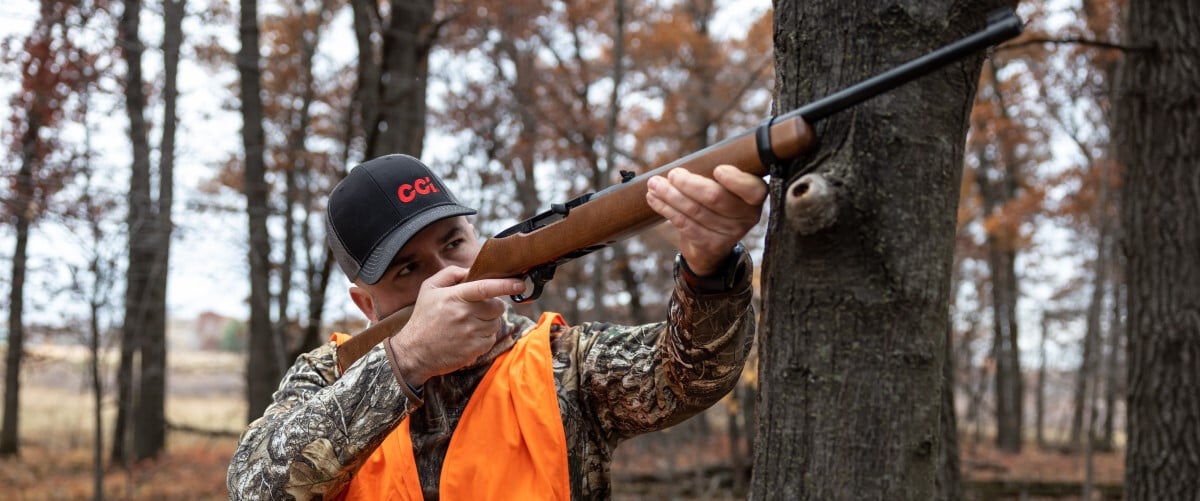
x,y
319,429
646,378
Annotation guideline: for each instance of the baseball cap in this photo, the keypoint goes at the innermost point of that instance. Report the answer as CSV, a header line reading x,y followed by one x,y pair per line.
x,y
378,207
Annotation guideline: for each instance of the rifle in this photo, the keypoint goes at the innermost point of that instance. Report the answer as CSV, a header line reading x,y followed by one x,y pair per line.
x,y
534,248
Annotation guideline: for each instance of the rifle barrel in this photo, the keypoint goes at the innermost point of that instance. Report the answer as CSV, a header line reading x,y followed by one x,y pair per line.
x,y
1003,24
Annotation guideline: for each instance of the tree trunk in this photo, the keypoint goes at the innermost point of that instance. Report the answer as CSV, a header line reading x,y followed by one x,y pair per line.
x,y
1112,376
1157,123
23,201
624,263
150,416
1040,397
125,392
1002,258
316,307
287,267
1009,385
737,461
747,401
261,369
140,273
367,25
856,314
97,388
1091,337
949,477
400,125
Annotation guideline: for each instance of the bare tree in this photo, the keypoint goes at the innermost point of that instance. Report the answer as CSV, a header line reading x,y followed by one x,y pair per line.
x,y
143,333
1100,269
262,366
93,285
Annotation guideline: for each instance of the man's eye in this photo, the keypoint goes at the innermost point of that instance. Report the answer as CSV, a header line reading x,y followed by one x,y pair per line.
x,y
406,269
454,244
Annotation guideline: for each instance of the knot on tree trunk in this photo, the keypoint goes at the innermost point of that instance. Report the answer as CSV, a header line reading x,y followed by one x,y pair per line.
x,y
811,204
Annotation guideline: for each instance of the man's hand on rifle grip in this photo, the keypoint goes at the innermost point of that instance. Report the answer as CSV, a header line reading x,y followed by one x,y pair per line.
x,y
452,325
711,215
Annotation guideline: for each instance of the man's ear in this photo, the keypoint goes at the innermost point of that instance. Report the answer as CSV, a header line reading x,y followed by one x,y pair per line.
x,y
365,303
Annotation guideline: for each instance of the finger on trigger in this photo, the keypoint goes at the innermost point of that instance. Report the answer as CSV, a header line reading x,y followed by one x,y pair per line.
x,y
748,187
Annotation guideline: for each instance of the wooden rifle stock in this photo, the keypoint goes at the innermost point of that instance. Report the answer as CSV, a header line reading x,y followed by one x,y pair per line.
x,y
622,211
533,248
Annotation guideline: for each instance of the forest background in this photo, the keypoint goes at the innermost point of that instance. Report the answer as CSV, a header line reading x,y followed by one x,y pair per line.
x,y
139,195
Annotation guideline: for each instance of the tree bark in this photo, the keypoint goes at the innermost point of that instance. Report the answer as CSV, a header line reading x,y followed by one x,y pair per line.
x,y
97,381
1091,337
400,89
261,369
1112,377
287,267
140,272
1040,397
856,314
1001,259
22,205
150,416
1157,123
367,24
949,477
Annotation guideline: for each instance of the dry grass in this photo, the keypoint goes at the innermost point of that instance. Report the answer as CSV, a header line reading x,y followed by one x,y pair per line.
x,y
205,392
56,430
1033,464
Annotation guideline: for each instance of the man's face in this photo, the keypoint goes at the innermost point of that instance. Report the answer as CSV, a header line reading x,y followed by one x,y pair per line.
x,y
444,243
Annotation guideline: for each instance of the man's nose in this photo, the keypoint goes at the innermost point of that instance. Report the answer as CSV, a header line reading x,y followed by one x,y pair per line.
x,y
440,263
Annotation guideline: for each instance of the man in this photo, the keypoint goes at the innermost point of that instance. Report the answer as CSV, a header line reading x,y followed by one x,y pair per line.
x,y
397,423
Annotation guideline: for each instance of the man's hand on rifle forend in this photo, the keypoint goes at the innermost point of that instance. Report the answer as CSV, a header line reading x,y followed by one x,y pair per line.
x,y
452,324
712,215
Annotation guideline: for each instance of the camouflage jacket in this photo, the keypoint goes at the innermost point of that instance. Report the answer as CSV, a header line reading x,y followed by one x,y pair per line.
x,y
613,381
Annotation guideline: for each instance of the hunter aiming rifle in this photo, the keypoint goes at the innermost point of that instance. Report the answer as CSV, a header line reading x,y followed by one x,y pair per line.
x,y
534,248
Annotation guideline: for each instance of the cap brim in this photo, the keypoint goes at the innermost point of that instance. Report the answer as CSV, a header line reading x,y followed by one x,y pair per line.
x,y
377,263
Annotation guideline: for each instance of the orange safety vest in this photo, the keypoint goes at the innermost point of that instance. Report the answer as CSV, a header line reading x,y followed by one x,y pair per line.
x,y
509,442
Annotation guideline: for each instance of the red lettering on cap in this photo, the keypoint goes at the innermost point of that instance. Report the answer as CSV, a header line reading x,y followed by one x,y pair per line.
x,y
423,186
406,197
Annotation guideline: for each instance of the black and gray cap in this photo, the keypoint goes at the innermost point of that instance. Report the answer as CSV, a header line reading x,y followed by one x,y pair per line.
x,y
378,207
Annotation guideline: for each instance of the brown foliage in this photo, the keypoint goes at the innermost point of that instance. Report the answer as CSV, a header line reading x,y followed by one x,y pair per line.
x,y
542,96
53,69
